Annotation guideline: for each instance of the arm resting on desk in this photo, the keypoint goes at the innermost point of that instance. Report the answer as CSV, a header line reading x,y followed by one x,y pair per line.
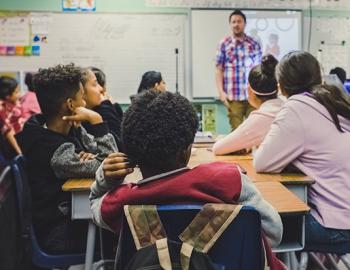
x,y
270,219
283,144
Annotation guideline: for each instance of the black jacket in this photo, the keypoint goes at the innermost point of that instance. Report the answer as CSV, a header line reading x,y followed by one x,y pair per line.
x,y
52,158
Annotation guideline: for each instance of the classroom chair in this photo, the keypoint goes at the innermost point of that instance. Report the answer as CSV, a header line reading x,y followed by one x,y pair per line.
x,y
10,249
239,247
39,257
339,249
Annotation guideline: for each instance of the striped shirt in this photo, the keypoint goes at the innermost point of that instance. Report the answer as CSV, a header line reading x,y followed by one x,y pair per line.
x,y
237,58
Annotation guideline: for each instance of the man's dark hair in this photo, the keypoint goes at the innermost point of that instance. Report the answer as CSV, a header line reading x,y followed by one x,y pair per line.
x,y
28,80
7,86
157,127
238,12
340,72
54,86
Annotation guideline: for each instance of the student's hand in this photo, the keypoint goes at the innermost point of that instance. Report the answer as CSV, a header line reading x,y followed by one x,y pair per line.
x,y
82,114
85,156
116,166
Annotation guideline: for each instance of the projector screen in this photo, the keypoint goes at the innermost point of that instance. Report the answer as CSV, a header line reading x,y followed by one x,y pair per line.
x,y
278,32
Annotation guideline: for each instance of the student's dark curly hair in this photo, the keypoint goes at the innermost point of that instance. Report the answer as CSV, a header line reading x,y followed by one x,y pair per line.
x,y
157,127
54,86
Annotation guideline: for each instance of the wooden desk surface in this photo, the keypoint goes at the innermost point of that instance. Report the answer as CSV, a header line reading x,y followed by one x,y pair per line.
x,y
283,200
202,155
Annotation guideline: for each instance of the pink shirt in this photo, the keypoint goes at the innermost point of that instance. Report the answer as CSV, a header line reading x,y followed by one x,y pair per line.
x,y
252,131
30,104
11,117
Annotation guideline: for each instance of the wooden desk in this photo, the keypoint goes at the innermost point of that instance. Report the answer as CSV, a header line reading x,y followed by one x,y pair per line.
x,y
290,207
275,193
295,182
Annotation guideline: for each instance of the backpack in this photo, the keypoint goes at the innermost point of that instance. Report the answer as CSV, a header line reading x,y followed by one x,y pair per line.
x,y
156,251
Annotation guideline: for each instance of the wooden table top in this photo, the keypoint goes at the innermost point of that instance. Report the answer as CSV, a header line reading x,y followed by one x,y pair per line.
x,y
283,200
203,155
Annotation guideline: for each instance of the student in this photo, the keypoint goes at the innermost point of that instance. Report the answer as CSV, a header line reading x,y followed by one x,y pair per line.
x,y
158,131
11,113
262,95
57,148
101,79
312,131
340,72
29,101
152,80
95,100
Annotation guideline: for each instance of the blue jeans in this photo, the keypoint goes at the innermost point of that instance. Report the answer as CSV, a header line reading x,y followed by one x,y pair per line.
x,y
315,233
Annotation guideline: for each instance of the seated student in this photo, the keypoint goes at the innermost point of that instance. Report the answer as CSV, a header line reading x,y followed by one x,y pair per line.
x,y
340,72
312,131
151,80
262,95
11,113
29,101
57,148
158,131
93,95
101,79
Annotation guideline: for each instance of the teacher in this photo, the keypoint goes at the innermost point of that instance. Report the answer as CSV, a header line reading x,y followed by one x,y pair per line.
x,y
236,56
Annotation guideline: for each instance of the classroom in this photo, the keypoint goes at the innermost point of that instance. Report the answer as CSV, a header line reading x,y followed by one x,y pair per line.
x,y
182,134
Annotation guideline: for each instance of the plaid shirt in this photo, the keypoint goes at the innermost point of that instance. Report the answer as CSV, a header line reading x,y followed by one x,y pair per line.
x,y
237,58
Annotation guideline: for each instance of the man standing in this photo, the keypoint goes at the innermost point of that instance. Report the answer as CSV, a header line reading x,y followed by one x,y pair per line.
x,y
235,57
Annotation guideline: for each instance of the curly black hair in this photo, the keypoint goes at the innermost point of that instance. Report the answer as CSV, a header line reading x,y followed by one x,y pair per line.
x,y
28,80
55,85
8,85
157,127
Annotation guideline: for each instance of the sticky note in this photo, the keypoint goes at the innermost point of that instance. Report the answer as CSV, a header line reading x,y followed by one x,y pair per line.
x,y
36,50
3,50
11,50
19,50
27,50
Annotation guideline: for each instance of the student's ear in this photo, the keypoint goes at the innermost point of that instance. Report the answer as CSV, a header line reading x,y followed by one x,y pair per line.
x,y
70,105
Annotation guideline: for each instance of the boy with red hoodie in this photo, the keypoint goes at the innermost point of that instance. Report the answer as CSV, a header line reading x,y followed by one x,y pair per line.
x,y
158,130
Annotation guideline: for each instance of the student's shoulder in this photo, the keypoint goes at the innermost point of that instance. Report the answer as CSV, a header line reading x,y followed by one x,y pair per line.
x,y
219,170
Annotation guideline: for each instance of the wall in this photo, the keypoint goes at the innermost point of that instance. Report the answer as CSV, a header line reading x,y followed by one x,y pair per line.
x,y
140,6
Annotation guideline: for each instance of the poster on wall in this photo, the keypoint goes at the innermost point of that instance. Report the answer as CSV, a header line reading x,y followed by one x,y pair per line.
x,y
79,5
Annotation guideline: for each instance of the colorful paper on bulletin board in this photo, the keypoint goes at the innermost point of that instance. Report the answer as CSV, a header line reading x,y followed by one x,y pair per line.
x,y
36,50
78,5
3,50
19,50
209,117
11,50
27,50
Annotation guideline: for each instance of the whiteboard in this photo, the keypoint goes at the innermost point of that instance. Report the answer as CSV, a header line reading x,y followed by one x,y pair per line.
x,y
208,27
124,46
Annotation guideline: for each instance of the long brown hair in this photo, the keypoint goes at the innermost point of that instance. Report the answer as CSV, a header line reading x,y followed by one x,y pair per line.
x,y
300,72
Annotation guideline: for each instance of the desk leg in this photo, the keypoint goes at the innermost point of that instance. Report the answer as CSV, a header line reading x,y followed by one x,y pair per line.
x,y
90,246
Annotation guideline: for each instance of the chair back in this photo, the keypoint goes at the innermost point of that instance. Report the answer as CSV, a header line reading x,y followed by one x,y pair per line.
x,y
39,257
10,248
239,247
